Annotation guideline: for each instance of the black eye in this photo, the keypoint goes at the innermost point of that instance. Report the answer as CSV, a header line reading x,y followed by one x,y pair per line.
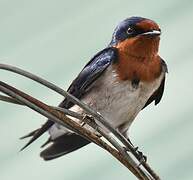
x,y
130,30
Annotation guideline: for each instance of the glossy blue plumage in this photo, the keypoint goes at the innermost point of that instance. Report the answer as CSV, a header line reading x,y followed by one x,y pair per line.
x,y
92,70
120,32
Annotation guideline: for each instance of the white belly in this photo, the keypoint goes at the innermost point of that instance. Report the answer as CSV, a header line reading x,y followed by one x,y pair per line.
x,y
118,102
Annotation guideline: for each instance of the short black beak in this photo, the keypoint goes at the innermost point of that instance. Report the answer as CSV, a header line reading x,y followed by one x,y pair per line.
x,y
152,33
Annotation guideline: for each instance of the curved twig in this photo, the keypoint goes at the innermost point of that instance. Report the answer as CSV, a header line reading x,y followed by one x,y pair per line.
x,y
75,101
87,109
10,100
60,118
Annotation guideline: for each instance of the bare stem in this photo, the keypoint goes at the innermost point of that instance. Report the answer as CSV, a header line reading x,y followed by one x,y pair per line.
x,y
60,118
85,107
73,99
10,100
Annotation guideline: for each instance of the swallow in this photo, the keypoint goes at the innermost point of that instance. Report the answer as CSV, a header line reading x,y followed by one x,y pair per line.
x,y
118,82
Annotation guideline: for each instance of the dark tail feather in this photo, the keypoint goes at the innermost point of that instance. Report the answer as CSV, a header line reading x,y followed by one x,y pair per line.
x,y
63,145
30,134
37,133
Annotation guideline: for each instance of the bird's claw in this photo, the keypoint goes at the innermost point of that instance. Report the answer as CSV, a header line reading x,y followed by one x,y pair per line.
x,y
142,157
88,119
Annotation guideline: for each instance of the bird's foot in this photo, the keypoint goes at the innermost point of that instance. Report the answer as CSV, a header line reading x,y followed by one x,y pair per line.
x,y
141,157
88,119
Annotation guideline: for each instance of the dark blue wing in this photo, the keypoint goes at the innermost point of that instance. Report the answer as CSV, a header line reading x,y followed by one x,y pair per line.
x,y
93,69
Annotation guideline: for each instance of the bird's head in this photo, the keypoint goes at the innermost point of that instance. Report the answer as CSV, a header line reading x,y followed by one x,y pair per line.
x,y
137,36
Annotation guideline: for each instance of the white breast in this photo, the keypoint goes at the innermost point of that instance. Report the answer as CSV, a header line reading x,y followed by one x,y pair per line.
x,y
119,102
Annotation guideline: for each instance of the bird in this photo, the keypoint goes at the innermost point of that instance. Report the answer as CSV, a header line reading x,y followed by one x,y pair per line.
x,y
118,82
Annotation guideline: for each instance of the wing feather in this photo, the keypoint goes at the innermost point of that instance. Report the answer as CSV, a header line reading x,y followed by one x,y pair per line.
x,y
92,71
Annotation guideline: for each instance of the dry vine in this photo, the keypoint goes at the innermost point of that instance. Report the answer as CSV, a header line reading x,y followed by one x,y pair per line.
x,y
121,150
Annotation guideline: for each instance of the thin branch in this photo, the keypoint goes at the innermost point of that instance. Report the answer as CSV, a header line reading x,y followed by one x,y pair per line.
x,y
76,101
10,100
77,116
84,106
60,118
87,109
65,111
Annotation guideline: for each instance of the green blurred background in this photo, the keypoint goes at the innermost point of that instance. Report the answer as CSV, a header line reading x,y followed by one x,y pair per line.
x,y
54,39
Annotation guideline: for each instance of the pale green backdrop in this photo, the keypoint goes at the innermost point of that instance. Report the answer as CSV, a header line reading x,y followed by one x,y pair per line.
x,y
54,39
